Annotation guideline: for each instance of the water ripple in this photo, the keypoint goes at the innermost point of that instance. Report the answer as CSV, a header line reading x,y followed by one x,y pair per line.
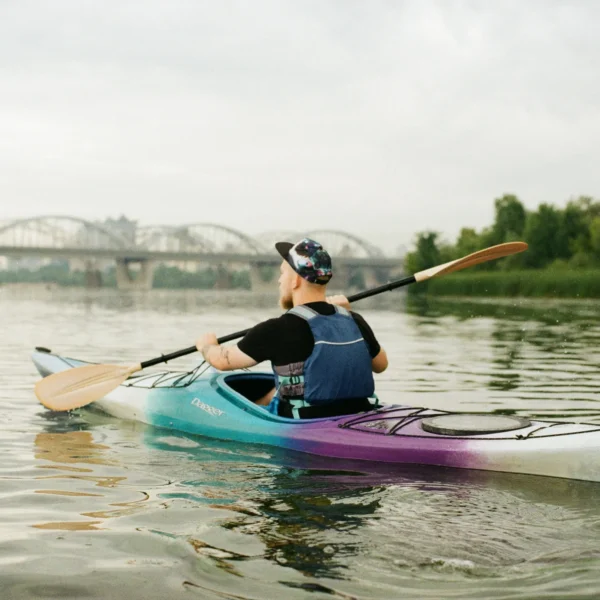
x,y
93,508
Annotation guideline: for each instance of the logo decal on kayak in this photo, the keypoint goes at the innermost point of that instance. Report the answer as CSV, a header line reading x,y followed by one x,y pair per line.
x,y
211,410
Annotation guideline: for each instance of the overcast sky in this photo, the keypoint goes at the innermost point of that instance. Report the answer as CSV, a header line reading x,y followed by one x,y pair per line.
x,y
382,118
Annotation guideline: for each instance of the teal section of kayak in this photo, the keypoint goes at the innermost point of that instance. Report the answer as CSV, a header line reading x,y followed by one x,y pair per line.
x,y
210,407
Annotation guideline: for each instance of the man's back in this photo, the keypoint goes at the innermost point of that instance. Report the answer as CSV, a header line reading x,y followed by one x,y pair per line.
x,y
288,339
321,356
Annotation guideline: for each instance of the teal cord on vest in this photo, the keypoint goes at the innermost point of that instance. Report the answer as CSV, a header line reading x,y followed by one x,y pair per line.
x,y
297,404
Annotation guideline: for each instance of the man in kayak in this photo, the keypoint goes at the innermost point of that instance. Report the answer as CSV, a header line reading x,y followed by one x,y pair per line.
x,y
323,355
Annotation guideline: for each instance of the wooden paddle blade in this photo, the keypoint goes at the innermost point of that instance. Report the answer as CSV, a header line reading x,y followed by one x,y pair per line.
x,y
492,253
77,387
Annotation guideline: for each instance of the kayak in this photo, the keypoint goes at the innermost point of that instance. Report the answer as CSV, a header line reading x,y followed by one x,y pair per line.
x,y
219,405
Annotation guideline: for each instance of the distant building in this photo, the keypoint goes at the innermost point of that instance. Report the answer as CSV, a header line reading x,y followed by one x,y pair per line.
x,y
123,227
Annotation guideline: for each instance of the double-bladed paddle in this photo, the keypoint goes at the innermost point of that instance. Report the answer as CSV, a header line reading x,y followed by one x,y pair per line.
x,y
77,387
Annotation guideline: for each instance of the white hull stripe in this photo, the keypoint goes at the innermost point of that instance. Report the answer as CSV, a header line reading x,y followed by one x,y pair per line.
x,y
340,343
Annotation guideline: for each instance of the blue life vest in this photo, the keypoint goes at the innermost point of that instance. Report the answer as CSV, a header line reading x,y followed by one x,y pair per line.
x,y
338,368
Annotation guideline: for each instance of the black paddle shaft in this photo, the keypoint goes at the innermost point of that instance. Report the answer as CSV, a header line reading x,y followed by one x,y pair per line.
x,y
386,287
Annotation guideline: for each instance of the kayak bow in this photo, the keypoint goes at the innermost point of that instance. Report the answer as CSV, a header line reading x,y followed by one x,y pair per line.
x,y
218,405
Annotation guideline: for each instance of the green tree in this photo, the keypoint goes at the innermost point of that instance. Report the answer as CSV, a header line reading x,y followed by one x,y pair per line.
x,y
469,241
510,218
589,206
595,239
426,254
542,232
574,233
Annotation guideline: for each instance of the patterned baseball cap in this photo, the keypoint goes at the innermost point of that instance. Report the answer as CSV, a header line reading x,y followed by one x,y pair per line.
x,y
308,258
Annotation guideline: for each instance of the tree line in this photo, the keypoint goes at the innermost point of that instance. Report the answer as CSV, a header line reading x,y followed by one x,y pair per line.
x,y
558,238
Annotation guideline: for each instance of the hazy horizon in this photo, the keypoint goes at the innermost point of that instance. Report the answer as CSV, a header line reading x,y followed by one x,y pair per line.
x,y
381,119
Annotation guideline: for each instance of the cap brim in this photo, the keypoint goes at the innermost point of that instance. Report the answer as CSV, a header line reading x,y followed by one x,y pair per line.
x,y
284,249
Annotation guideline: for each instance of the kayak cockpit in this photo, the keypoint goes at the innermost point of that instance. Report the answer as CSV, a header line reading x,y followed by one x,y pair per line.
x,y
252,386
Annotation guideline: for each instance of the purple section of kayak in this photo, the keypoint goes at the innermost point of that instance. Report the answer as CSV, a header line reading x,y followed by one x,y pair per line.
x,y
392,435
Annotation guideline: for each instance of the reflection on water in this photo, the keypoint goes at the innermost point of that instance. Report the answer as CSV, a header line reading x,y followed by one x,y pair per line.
x,y
535,358
63,450
93,507
71,447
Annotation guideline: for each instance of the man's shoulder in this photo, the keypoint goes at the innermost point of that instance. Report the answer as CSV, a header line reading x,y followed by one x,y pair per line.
x,y
289,318
357,316
321,308
273,323
361,322
268,323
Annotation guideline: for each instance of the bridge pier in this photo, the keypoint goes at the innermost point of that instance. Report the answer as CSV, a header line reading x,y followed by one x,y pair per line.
x,y
263,278
92,275
372,278
347,278
223,281
142,280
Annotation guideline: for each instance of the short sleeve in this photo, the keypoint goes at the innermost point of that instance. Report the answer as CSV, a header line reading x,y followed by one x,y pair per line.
x,y
260,342
367,333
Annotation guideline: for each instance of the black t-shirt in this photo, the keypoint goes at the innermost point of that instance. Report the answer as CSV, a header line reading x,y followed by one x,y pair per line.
x,y
289,339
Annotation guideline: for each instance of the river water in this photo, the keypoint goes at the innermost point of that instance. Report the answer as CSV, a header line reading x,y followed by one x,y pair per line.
x,y
92,507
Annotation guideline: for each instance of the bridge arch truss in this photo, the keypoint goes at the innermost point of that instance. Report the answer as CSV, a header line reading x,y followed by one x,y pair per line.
x,y
337,243
53,231
198,237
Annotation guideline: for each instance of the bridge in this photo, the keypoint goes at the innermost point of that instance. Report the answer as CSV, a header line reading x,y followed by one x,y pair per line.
x,y
134,250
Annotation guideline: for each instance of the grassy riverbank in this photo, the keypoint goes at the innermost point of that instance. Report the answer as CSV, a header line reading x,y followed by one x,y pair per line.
x,y
543,283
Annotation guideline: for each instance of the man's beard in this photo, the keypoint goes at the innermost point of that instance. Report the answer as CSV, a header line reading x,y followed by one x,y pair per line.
x,y
286,302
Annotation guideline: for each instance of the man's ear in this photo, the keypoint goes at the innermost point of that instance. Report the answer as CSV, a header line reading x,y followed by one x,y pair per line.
x,y
296,282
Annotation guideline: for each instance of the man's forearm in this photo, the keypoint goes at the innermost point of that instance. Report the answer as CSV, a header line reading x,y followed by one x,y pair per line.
x,y
206,352
218,359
